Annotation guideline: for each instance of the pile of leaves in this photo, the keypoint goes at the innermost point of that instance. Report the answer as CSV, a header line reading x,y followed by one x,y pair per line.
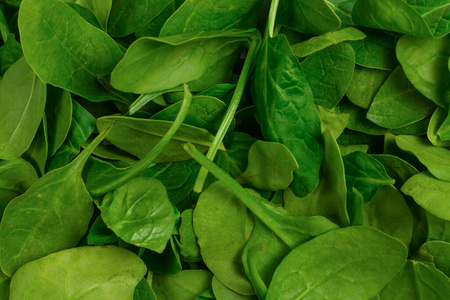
x,y
199,149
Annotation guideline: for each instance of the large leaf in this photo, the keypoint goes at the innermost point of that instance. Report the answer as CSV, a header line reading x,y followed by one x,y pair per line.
x,y
22,98
285,110
65,50
86,272
343,263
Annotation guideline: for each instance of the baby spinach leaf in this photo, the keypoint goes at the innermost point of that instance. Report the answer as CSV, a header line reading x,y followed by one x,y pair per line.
x,y
343,9
417,281
52,215
153,28
436,254
99,234
187,284
92,272
269,158
326,40
86,14
202,60
10,52
332,121
389,213
365,173
140,213
424,62
100,8
16,177
438,126
342,263
329,73
147,133
190,17
168,262
143,291
52,32
4,285
364,85
438,229
376,51
436,159
128,16
430,193
416,128
22,95
397,168
58,111
285,110
416,18
315,17
444,130
395,95
221,219
329,198
221,292
189,248
37,153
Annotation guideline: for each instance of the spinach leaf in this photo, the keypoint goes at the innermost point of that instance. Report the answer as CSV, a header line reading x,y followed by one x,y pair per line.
x,y
52,32
424,63
189,248
332,121
436,254
94,272
351,255
285,110
140,213
187,284
37,153
436,127
101,9
221,292
444,130
10,52
22,95
56,206
232,14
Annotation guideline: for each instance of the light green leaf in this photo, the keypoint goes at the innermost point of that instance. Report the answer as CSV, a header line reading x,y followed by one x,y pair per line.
x,y
187,284
438,126
436,254
332,121
444,130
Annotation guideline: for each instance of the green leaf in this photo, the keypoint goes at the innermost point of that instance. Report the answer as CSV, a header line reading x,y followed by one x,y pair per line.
x,y
52,215
189,248
100,8
397,168
99,233
430,193
128,16
329,73
221,292
270,166
436,254
16,177
437,126
93,272
167,262
147,133
438,229
417,281
389,213
206,15
365,173
444,130
376,51
140,213
332,121
436,159
316,17
418,18
10,52
424,62
329,198
285,110
23,96
143,291
52,32
37,153
343,263
221,219
364,85
396,95
187,284
201,60
326,40
417,128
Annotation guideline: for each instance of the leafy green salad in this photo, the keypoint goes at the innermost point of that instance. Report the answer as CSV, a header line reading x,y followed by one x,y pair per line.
x,y
224,149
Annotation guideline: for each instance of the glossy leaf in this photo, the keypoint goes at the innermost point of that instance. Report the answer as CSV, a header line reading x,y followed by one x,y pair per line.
x,y
100,8
430,193
326,40
232,14
269,158
140,213
343,263
52,215
436,159
147,133
437,127
52,32
424,62
329,73
395,95
22,95
187,284
444,130
365,173
93,272
202,60
285,109
315,17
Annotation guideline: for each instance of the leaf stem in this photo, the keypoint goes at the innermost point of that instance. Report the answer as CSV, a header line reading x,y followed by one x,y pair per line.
x,y
231,111
145,162
271,18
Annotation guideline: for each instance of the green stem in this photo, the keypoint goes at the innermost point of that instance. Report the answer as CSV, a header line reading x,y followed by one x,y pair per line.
x,y
271,18
145,163
231,111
